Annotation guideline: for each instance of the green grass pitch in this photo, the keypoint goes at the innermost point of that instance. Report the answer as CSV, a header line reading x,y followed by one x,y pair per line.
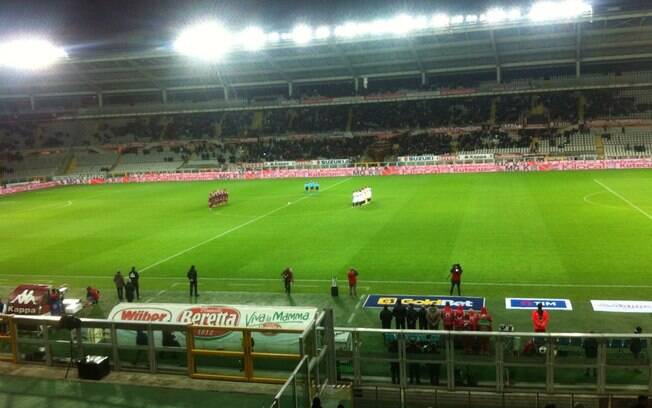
x,y
557,235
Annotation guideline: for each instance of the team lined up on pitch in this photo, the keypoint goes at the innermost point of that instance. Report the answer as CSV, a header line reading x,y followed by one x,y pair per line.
x,y
217,198
362,196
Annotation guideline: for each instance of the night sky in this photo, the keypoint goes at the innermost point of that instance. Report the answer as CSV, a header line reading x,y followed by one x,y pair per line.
x,y
88,26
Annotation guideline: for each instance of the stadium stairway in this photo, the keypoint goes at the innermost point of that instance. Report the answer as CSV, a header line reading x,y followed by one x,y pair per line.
x,y
257,120
494,109
599,146
70,165
349,119
117,162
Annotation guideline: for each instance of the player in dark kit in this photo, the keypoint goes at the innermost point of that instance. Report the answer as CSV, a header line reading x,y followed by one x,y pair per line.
x,y
456,278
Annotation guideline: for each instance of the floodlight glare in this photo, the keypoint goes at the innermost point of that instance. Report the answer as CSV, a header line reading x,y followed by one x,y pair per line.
x,y
514,14
252,39
30,54
457,19
552,10
273,37
420,22
401,24
347,30
471,18
496,15
322,32
440,21
302,34
207,41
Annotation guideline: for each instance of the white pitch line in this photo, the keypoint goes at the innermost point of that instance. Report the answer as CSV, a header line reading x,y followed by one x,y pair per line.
x,y
392,282
157,295
357,307
634,206
237,227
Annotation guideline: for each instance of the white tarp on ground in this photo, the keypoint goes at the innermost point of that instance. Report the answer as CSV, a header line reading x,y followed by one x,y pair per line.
x,y
622,306
222,317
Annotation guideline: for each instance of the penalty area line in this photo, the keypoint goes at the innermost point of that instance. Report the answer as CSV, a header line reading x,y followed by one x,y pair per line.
x,y
230,230
634,206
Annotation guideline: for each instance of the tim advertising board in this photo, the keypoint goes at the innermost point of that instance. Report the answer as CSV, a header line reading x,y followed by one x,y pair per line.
x,y
222,318
532,303
376,301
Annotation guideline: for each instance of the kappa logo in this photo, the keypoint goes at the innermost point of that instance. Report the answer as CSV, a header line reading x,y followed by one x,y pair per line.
x,y
26,297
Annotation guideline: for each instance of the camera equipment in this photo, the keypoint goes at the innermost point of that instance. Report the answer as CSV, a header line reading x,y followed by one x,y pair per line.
x,y
70,323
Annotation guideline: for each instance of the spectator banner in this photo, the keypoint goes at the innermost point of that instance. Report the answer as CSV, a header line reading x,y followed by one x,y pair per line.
x,y
479,156
531,303
376,301
622,306
280,164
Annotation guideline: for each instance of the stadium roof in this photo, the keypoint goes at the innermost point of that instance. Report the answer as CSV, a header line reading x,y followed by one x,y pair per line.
x,y
605,37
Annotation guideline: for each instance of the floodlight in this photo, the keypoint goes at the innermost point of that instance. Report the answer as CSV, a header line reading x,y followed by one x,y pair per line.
x,y
401,24
302,34
347,30
457,19
207,41
30,54
514,14
273,37
471,18
496,15
420,22
286,36
252,39
378,26
551,10
440,21
322,32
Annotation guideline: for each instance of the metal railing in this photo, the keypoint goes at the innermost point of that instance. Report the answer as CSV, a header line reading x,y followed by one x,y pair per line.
x,y
497,361
404,363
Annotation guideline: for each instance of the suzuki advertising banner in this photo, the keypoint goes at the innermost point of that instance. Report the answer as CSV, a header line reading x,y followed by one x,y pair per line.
x,y
222,317
376,301
531,303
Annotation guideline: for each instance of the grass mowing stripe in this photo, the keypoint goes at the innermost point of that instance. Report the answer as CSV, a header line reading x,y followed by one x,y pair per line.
x,y
237,227
634,206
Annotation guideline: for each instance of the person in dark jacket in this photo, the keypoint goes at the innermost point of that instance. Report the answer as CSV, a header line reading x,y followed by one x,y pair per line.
x,y
192,280
414,373
386,317
635,344
590,346
393,366
129,290
412,317
119,281
134,276
423,321
400,313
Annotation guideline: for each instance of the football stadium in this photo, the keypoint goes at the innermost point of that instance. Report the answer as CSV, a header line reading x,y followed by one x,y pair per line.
x,y
430,207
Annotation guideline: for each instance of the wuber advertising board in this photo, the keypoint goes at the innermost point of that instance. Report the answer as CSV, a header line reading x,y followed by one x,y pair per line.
x,y
222,317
